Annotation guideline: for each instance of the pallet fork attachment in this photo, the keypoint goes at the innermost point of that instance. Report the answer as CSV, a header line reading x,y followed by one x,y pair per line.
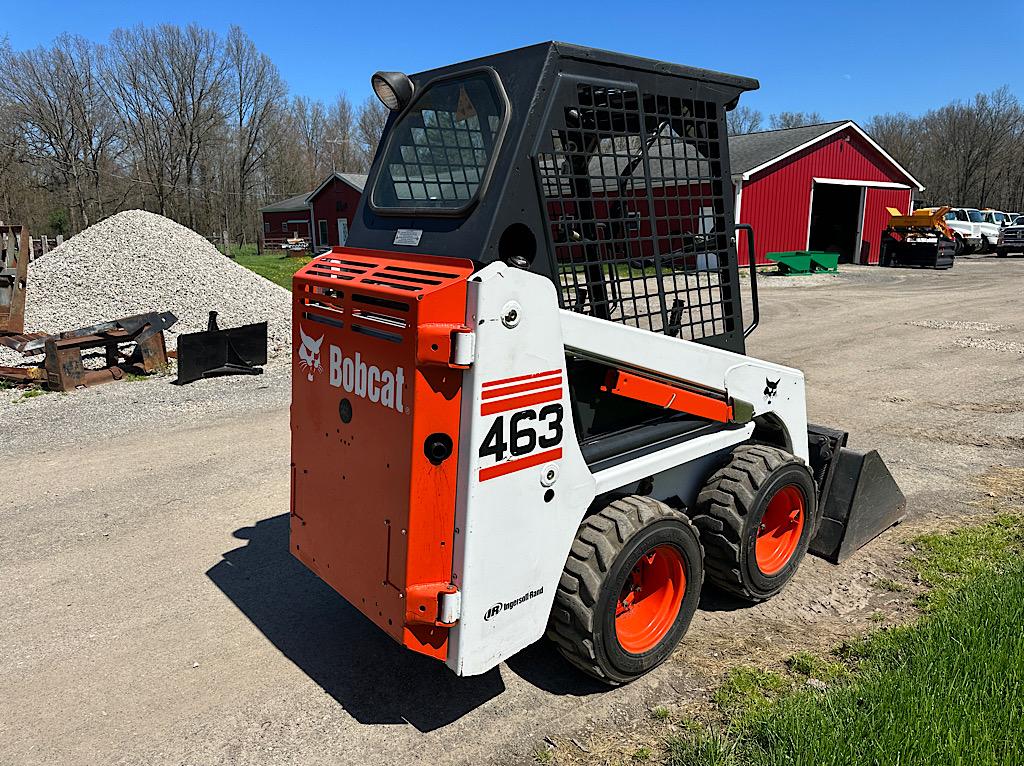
x,y
858,495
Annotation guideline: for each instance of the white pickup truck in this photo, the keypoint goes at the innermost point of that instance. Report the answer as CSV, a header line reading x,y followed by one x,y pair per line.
x,y
1011,238
972,231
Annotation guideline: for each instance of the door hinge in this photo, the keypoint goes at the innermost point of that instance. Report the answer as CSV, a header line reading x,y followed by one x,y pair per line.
x,y
434,603
451,345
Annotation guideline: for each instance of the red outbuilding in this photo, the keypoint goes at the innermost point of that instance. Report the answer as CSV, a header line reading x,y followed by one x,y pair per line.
x,y
324,216
286,219
818,187
333,204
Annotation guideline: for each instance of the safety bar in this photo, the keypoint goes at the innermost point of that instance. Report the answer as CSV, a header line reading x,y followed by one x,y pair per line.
x,y
752,258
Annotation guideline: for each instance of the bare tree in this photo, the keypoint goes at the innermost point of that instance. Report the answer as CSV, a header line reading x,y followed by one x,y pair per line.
x,y
309,120
794,120
341,137
372,117
743,119
256,95
60,116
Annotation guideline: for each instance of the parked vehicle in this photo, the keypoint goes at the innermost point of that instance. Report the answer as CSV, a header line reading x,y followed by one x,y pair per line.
x,y
997,217
966,236
1011,238
976,233
987,230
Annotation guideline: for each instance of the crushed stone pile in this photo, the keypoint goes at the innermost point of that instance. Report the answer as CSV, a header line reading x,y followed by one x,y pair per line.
x,y
136,261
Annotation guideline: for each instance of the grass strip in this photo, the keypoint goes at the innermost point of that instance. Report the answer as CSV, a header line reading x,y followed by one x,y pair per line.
x,y
277,268
948,689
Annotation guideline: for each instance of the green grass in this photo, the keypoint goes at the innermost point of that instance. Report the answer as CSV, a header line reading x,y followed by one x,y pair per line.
x,y
234,251
948,689
277,268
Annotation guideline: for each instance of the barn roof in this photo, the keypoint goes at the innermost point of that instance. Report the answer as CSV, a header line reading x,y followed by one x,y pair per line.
x,y
356,180
298,202
753,152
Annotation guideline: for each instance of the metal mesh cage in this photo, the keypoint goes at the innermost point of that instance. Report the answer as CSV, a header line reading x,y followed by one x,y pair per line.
x,y
633,196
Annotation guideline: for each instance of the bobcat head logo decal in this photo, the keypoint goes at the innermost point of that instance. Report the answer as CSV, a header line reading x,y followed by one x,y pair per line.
x,y
771,387
309,354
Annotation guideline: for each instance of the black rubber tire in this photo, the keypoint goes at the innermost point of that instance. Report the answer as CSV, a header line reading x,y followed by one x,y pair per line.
x,y
1001,252
729,511
984,247
607,546
958,245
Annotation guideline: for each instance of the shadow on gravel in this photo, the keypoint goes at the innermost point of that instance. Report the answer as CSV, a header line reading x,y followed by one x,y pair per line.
x,y
373,678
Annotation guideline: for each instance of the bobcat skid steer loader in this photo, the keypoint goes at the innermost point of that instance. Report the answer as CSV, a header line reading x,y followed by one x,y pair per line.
x,y
521,401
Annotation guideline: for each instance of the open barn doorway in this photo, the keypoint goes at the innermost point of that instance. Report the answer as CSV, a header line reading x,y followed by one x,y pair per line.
x,y
836,211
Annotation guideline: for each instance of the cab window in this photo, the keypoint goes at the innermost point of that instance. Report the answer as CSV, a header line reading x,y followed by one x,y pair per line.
x,y
440,151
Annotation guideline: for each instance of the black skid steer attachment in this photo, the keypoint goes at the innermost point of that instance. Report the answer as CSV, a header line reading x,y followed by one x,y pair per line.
x,y
216,352
858,496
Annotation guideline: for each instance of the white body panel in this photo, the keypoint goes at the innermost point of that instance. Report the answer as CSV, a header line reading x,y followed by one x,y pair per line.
x,y
517,514
510,542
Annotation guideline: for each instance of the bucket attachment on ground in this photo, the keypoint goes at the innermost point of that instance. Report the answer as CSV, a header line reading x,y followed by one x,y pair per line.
x,y
215,352
859,496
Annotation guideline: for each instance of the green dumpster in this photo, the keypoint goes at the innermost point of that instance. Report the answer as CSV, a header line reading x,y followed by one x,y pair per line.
x,y
804,261
825,261
791,263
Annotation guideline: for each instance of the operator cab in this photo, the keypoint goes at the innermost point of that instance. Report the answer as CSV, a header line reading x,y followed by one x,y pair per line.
x,y
608,174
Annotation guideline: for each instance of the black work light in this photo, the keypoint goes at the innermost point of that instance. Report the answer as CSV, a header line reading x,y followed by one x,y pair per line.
x,y
394,89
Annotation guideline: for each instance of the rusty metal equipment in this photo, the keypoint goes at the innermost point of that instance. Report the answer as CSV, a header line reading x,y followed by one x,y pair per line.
x,y
15,253
63,369
216,352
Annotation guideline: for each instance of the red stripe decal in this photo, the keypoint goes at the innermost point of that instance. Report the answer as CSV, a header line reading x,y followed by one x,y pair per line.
x,y
501,469
519,402
521,377
531,385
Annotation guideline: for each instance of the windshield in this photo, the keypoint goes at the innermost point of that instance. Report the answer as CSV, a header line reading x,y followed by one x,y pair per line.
x,y
976,216
440,150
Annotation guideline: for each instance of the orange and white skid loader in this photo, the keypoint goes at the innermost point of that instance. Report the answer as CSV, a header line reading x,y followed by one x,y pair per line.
x,y
521,401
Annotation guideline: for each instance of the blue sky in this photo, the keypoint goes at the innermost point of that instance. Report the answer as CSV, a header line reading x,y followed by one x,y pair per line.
x,y
842,59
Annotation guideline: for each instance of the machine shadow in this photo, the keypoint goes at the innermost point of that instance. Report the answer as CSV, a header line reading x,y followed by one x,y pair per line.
x,y
373,678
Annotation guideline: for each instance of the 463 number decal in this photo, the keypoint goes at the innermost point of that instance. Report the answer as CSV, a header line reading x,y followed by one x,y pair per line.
x,y
523,432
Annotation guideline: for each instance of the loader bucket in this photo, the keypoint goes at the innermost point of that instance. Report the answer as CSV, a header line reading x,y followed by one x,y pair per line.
x,y
861,500
215,352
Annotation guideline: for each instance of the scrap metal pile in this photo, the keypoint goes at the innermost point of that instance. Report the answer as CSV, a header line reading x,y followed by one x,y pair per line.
x,y
123,284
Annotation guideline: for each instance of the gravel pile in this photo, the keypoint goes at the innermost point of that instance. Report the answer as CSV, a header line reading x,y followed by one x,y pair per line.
x,y
137,261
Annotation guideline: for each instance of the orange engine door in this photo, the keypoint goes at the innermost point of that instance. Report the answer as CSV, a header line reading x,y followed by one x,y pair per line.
x,y
375,425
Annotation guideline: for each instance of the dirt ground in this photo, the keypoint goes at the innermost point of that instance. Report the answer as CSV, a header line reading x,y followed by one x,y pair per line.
x,y
152,614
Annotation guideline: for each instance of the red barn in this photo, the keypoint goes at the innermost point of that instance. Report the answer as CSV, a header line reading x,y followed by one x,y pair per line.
x,y
287,218
818,187
333,204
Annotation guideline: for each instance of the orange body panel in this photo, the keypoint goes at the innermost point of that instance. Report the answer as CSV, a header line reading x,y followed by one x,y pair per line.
x,y
370,513
668,396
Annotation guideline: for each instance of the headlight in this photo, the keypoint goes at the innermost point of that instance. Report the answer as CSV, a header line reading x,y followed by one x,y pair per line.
x,y
394,89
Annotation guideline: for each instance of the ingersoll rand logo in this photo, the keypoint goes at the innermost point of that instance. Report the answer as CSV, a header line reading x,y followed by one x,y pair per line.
x,y
504,607
353,374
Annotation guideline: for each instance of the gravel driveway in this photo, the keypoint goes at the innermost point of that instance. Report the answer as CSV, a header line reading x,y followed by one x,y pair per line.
x,y
152,614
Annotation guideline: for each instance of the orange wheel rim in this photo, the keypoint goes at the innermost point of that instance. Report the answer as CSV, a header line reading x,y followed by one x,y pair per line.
x,y
780,530
650,599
